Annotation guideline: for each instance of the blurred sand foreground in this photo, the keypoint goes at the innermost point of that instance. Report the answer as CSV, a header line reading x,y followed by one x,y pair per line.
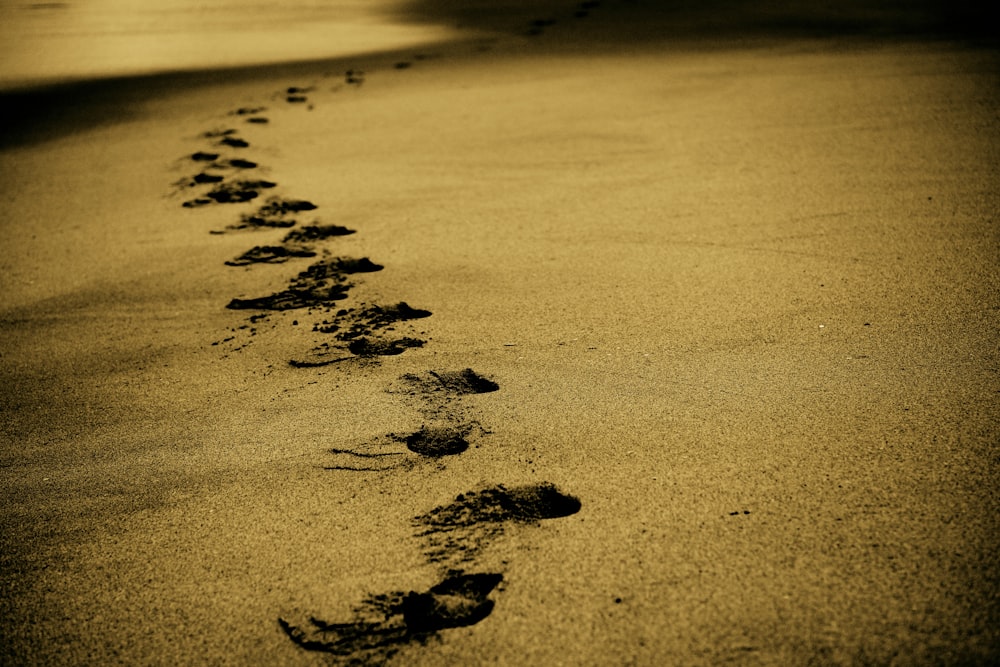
x,y
740,299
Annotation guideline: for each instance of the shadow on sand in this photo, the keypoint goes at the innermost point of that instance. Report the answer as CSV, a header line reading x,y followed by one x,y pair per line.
x,y
36,115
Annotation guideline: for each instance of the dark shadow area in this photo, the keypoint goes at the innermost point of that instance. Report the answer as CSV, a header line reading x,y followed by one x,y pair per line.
x,y
32,115
631,20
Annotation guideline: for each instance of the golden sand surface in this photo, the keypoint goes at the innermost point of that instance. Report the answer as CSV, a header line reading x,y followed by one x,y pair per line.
x,y
739,299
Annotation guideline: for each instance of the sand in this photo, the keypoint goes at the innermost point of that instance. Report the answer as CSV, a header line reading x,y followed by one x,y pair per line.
x,y
709,372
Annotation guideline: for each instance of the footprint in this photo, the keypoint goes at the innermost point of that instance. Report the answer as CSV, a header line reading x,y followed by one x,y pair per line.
x,y
449,428
438,441
360,333
354,77
233,142
529,503
456,533
237,163
438,394
231,193
384,624
204,178
360,349
353,323
322,284
465,381
295,244
275,213
247,111
393,450
204,157
258,120
270,254
312,233
375,347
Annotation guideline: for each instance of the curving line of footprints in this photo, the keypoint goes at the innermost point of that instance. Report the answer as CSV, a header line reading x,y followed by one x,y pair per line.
x,y
454,535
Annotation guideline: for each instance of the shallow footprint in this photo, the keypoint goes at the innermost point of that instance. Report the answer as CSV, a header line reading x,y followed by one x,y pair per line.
x,y
393,450
465,381
277,212
459,531
382,347
270,254
320,285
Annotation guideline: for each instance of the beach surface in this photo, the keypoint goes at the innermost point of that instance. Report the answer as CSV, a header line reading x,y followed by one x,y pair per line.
x,y
591,334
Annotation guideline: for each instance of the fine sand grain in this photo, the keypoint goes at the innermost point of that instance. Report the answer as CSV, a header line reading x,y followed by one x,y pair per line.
x,y
574,340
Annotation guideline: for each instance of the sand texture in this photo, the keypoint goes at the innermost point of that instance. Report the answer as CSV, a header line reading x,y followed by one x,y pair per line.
x,y
587,337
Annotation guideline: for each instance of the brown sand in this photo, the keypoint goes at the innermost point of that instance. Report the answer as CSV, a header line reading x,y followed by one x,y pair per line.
x,y
740,299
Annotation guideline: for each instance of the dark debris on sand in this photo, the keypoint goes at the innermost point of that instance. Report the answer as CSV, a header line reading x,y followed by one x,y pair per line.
x,y
383,624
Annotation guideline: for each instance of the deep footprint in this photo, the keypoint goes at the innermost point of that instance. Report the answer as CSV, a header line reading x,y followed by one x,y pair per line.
x,y
384,624
438,441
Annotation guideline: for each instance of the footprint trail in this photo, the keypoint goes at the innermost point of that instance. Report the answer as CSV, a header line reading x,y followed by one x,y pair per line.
x,y
452,537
